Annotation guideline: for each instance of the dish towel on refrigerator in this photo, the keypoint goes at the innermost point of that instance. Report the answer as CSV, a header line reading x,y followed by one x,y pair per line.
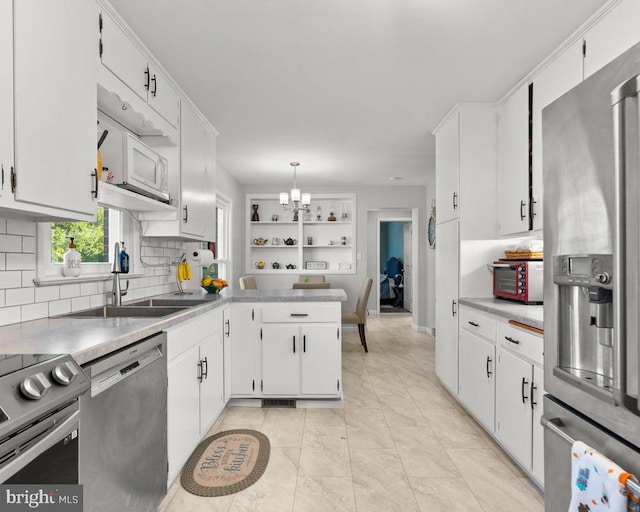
x,y
597,483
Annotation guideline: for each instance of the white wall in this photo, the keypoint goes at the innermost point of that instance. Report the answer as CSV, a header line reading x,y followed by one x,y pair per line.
x,y
367,199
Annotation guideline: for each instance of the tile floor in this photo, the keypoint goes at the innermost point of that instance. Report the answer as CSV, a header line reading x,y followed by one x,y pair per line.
x,y
400,443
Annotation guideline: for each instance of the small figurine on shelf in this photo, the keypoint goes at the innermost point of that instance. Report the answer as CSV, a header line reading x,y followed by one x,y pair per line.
x,y
295,216
255,217
331,217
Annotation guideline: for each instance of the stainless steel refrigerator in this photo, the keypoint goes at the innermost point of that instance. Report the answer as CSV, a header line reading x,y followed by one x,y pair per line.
x,y
591,168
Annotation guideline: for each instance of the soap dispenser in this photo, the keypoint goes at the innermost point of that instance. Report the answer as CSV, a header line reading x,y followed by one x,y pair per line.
x,y
71,261
124,260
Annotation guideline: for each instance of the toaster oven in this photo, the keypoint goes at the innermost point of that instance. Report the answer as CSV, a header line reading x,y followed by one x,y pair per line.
x,y
518,280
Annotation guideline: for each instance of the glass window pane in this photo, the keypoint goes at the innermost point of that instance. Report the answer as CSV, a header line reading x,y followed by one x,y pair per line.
x,y
91,238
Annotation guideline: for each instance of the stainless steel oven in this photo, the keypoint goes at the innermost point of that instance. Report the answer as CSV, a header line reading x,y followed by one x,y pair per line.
x,y
519,280
39,419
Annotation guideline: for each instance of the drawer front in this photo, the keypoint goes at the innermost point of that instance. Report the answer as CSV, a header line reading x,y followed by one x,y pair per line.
x,y
522,342
477,322
301,312
190,333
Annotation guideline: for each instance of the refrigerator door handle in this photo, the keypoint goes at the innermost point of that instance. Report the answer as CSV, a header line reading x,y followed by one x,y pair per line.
x,y
626,90
554,425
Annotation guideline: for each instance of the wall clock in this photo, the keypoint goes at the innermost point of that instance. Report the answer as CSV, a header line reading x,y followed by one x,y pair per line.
x,y
431,229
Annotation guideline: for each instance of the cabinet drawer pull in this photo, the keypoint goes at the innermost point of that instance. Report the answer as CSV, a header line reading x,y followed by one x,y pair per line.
x,y
522,214
474,324
299,314
516,342
489,372
294,344
524,385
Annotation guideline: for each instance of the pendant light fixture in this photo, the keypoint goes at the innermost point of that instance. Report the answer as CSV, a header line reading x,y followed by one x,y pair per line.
x,y
299,201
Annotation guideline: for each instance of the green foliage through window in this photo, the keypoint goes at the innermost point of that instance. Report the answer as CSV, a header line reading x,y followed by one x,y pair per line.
x,y
91,238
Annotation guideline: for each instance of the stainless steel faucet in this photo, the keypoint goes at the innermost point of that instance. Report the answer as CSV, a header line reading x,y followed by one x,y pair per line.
x,y
116,270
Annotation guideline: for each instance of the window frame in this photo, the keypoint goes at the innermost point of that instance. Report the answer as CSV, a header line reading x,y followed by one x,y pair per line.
x,y
223,237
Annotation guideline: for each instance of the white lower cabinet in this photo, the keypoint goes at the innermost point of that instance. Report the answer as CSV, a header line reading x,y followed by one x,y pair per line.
x,y
477,377
501,384
226,325
195,395
244,350
320,360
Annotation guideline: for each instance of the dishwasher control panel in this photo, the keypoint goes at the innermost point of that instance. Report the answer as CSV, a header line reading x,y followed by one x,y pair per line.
x,y
113,376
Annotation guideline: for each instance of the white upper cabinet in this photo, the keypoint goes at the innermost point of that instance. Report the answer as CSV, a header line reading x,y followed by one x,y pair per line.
x,y
122,56
6,97
54,109
615,33
557,78
448,169
513,164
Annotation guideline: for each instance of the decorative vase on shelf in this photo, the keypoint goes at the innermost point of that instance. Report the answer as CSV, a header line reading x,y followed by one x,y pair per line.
x,y
307,216
319,213
255,217
331,217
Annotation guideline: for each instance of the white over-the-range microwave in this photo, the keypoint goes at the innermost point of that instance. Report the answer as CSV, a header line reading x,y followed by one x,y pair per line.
x,y
131,164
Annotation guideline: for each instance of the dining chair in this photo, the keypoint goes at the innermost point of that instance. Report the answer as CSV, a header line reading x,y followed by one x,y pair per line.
x,y
358,317
248,283
311,279
311,286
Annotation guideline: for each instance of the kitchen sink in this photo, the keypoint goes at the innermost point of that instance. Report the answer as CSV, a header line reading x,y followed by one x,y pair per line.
x,y
169,302
126,312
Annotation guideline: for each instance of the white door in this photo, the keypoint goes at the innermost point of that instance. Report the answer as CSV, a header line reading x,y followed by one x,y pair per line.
x,y
612,35
242,345
226,326
552,82
212,385
477,377
320,360
447,305
513,164
121,56
193,173
6,96
281,347
55,75
538,429
448,169
162,97
408,267
183,409
513,405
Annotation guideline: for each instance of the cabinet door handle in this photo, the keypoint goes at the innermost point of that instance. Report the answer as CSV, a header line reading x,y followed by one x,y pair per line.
x,y
533,211
515,342
489,372
533,388
294,344
228,328
205,368
455,200
522,214
474,324
155,86
95,178
186,214
2,182
304,342
146,78
299,314
200,370
453,308
524,386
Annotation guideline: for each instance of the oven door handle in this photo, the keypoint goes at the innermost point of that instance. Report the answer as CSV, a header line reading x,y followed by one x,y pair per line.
x,y
502,265
51,439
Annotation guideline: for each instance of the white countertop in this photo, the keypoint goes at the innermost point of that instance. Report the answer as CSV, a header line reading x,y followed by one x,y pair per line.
x,y
90,338
523,313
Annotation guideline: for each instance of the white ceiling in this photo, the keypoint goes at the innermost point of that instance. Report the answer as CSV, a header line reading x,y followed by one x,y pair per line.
x,y
350,88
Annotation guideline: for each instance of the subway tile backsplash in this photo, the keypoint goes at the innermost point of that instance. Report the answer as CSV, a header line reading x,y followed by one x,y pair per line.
x,y
21,301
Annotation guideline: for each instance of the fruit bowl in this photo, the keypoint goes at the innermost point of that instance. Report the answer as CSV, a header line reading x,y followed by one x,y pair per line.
x,y
213,285
213,289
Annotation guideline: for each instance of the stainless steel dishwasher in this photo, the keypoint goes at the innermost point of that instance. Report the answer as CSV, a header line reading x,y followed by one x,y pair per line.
x,y
123,448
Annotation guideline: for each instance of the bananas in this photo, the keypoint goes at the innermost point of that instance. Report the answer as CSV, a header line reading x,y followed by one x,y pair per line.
x,y
183,272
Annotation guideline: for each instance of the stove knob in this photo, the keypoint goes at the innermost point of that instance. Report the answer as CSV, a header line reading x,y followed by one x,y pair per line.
x,y
64,374
35,387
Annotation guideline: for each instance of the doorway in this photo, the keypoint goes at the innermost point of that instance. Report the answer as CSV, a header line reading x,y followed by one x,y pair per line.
x,y
395,265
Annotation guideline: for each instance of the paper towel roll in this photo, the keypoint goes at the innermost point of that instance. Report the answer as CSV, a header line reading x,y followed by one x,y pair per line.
x,y
201,258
